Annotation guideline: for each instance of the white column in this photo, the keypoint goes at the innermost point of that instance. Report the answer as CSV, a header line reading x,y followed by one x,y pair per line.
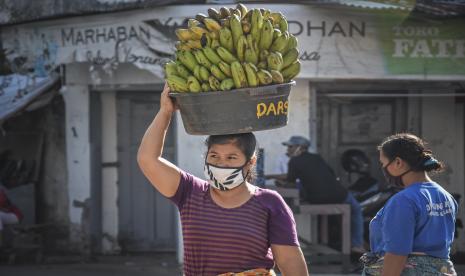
x,y
76,99
109,174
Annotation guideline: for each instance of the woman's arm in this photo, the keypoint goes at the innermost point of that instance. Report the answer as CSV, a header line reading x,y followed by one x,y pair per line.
x,y
290,260
393,264
163,175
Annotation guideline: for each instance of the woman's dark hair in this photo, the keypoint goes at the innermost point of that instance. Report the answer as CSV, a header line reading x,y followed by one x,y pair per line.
x,y
412,150
246,142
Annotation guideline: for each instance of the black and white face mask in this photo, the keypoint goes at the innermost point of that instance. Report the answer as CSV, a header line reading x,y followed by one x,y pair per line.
x,y
224,178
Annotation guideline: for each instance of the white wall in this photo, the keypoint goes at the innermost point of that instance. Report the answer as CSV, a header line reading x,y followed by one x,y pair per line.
x,y
77,151
443,127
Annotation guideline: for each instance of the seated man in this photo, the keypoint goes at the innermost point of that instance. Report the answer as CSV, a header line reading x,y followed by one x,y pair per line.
x,y
319,185
9,213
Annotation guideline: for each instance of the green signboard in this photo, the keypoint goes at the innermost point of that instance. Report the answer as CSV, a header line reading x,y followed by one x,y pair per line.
x,y
423,46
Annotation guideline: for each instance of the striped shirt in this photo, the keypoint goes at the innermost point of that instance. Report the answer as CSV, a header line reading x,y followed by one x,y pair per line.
x,y
219,240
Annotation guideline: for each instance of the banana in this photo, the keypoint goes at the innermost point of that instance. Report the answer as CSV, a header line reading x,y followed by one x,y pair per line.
x,y
202,59
211,24
225,22
264,55
184,34
246,26
225,55
217,73
171,69
277,76
213,13
205,87
240,48
264,77
236,12
252,44
275,61
251,56
211,55
196,72
214,83
215,44
262,65
257,23
197,32
243,9
251,73
224,12
280,43
200,17
194,44
276,16
276,34
204,73
248,16
225,68
291,71
182,70
236,28
291,56
180,45
291,43
187,59
226,39
177,84
283,25
227,84
266,36
192,23
266,13
194,85
206,41
238,75
214,35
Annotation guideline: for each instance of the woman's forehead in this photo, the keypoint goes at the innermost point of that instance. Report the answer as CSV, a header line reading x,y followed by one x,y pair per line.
x,y
228,148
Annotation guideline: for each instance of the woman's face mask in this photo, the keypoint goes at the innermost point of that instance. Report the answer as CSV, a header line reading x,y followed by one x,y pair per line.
x,y
393,180
224,178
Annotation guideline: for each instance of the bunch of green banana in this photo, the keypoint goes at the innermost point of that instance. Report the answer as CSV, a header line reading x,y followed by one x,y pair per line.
x,y
233,48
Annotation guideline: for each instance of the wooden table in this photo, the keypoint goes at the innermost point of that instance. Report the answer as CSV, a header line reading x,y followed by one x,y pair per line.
x,y
315,251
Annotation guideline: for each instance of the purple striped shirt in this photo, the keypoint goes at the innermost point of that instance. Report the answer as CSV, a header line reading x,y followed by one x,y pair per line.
x,y
219,240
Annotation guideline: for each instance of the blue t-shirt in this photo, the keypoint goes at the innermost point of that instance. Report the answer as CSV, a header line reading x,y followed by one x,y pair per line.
x,y
420,218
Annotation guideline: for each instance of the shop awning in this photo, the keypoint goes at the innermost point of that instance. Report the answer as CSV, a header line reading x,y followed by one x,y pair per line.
x,y
20,92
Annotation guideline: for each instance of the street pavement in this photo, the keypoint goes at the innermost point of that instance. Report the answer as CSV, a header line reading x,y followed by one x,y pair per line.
x,y
141,265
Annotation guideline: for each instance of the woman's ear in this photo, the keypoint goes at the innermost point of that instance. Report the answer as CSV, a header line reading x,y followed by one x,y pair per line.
x,y
253,160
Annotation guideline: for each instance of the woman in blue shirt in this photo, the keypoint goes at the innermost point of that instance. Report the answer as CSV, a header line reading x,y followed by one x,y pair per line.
x,y
412,234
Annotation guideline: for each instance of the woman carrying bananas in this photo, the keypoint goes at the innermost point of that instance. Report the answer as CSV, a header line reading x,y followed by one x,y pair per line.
x,y
230,227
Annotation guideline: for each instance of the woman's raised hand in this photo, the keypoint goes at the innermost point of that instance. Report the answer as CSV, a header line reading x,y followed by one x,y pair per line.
x,y
166,103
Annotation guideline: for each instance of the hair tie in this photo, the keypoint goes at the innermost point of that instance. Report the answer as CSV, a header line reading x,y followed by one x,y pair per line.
x,y
430,161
